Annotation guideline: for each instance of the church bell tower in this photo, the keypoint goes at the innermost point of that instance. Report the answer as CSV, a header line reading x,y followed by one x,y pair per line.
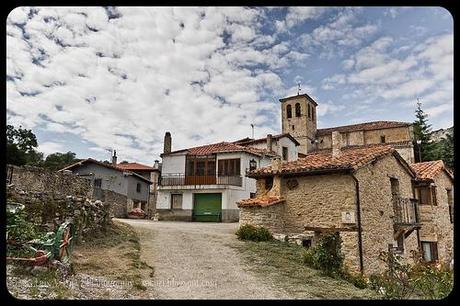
x,y
298,118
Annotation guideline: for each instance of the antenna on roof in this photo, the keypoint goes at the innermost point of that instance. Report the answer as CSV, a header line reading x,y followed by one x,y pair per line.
x,y
252,127
298,88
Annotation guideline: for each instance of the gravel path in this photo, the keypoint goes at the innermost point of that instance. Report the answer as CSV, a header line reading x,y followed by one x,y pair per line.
x,y
196,260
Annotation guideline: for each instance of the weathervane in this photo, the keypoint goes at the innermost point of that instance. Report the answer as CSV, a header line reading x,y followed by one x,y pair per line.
x,y
252,126
298,88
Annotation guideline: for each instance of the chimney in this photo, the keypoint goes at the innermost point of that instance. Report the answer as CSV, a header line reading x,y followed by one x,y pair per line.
x,y
336,143
269,142
276,163
167,143
114,158
156,164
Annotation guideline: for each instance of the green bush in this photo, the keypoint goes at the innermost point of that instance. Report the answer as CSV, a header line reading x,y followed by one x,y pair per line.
x,y
357,279
432,281
422,280
326,255
307,257
254,233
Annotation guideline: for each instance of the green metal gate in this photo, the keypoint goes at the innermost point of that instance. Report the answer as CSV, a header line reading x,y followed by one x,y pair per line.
x,y
207,207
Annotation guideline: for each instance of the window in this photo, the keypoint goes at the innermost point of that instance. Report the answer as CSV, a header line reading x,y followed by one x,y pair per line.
x,y
298,111
211,168
306,243
252,165
450,203
394,187
400,244
98,183
229,167
252,195
293,127
176,201
313,113
138,187
382,139
289,111
430,251
424,195
309,110
285,153
268,183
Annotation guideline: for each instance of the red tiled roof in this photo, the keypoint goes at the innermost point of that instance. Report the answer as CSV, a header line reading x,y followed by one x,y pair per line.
x,y
135,166
222,147
349,159
90,160
261,201
296,96
430,169
366,126
247,140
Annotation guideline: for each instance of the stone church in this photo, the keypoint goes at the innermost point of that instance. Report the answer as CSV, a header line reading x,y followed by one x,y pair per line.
x,y
357,181
298,116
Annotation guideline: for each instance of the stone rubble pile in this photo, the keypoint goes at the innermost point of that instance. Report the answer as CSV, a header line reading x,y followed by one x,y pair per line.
x,y
50,210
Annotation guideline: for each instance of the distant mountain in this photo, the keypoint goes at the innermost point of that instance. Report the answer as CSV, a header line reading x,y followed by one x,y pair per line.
x,y
437,135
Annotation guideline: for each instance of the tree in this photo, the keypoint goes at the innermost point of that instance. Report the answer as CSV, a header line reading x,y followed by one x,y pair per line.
x,y
447,151
58,160
20,147
422,131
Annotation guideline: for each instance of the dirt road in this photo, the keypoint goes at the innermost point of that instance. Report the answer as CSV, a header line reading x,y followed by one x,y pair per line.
x,y
196,260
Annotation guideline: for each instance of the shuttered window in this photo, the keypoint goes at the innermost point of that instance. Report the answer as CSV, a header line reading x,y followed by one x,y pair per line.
x,y
176,201
424,195
450,203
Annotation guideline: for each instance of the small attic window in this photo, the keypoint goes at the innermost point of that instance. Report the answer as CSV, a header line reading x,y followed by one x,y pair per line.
x,y
382,139
138,187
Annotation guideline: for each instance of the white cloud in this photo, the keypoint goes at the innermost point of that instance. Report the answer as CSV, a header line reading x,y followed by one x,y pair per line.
x,y
50,147
342,33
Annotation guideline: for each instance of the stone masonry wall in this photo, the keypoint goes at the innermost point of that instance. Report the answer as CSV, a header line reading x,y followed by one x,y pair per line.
x,y
436,225
50,198
270,217
35,179
377,210
318,201
117,203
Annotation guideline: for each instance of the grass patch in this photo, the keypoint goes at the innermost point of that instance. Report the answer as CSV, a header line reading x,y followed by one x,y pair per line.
x,y
114,254
282,263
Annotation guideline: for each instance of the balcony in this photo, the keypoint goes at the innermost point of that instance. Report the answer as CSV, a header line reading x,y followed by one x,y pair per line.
x,y
179,179
405,212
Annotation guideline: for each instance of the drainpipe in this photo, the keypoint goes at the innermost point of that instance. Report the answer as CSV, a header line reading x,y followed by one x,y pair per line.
x,y
358,216
416,215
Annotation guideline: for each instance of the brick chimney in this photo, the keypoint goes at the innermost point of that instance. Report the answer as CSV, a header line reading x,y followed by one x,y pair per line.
x,y
269,142
336,143
114,158
167,143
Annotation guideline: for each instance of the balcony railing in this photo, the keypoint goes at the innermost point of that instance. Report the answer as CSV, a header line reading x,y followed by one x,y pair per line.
x,y
179,179
406,211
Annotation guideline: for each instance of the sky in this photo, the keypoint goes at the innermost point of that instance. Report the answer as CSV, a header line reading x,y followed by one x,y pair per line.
x,y
93,79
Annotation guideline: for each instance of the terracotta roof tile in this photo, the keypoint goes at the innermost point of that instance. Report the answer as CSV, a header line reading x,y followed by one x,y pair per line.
x,y
110,166
261,201
247,140
349,159
135,166
429,170
223,147
366,126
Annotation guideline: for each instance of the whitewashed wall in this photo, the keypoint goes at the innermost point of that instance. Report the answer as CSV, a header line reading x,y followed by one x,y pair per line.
x,y
173,164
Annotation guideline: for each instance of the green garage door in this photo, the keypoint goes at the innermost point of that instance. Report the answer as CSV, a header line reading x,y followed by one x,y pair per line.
x,y
207,207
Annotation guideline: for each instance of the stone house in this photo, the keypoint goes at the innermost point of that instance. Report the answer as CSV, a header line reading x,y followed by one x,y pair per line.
x,y
123,188
434,190
204,183
298,117
150,173
364,193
